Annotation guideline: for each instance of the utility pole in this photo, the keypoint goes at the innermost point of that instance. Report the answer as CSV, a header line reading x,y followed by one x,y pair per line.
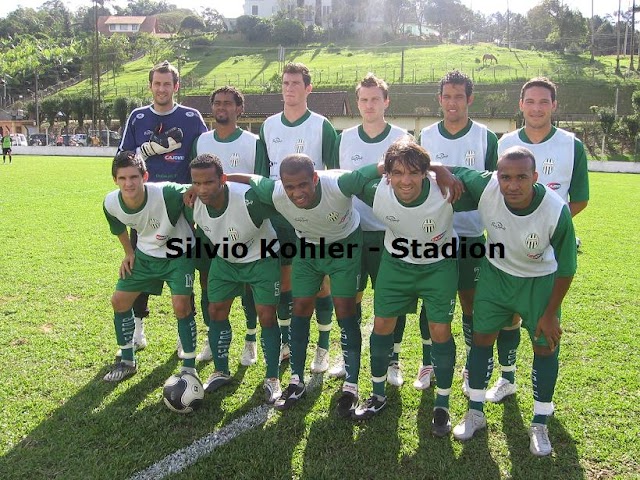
x,y
633,32
593,32
508,33
98,72
618,30
37,107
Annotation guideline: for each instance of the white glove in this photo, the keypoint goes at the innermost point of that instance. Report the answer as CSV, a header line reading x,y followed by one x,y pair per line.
x,y
162,142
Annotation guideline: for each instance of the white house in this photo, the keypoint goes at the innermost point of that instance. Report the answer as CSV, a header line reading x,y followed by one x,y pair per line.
x,y
310,12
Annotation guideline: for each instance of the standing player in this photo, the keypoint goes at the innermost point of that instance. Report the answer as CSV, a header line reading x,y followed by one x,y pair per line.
x,y
414,212
561,164
6,146
319,204
240,152
458,141
166,161
531,279
299,130
366,144
154,210
231,213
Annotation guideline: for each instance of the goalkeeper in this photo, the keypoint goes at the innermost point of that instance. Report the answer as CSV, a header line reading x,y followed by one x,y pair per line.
x,y
162,133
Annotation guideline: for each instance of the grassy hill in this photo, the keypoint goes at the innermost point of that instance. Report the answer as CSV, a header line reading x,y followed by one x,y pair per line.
x,y
255,70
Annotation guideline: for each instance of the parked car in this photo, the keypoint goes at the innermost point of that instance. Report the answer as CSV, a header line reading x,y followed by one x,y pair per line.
x,y
80,139
40,139
114,137
65,140
18,140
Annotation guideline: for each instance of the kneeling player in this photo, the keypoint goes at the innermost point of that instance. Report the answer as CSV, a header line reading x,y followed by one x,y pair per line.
x,y
231,213
531,279
154,210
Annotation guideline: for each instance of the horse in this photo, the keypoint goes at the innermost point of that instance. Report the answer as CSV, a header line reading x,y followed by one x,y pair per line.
x,y
490,57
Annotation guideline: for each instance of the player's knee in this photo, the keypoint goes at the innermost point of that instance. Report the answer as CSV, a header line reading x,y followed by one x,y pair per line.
x,y
120,301
484,339
440,332
544,350
303,306
266,315
344,307
384,326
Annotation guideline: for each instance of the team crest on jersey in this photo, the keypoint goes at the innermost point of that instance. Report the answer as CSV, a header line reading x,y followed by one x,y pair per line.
x,y
547,166
234,160
189,114
299,146
357,158
470,158
428,225
532,241
140,116
333,216
154,223
233,234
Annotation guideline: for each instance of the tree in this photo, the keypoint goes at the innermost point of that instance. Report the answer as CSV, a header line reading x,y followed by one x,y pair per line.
x,y
558,25
449,17
254,28
288,32
213,20
191,25
145,8
607,118
121,110
156,48
50,107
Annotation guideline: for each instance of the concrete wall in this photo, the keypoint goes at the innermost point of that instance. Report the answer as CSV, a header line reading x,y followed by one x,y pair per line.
x,y
614,167
66,151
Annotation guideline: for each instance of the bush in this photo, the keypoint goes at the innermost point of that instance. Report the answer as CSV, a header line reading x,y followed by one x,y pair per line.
x,y
288,32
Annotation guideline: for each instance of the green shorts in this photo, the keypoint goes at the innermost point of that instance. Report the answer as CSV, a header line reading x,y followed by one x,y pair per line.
x,y
469,267
400,284
227,280
149,274
373,245
202,262
286,234
500,295
344,272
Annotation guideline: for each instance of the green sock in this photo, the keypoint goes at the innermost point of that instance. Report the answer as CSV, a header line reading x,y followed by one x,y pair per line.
x,y
285,307
398,333
351,341
381,350
467,331
544,376
298,343
270,342
480,370
204,306
508,341
426,337
444,360
250,313
125,325
220,340
187,331
324,312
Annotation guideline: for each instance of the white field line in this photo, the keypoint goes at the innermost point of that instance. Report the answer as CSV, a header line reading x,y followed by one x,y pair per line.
x,y
185,457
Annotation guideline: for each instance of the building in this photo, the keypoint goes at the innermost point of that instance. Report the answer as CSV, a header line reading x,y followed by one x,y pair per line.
x,y
309,12
110,25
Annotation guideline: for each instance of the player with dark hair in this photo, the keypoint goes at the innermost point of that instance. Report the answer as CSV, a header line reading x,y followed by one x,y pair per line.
x,y
561,163
154,210
458,141
297,130
531,279
366,144
240,151
230,212
162,133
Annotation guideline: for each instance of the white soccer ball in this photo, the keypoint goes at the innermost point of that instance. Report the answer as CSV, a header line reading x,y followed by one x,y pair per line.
x,y
183,393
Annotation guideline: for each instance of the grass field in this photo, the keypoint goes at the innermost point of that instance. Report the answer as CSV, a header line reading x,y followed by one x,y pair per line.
x,y
59,420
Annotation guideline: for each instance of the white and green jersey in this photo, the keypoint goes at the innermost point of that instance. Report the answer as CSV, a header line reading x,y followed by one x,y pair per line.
x,y
241,152
429,221
354,148
311,134
473,147
560,161
158,220
235,225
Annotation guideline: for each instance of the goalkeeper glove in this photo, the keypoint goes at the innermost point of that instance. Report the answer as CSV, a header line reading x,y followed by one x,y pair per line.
x,y
162,142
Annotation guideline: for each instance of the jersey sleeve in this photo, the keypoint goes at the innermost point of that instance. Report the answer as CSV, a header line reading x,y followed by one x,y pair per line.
x,y
263,187
491,158
172,193
115,225
336,152
352,183
369,191
188,214
194,148
329,136
261,166
128,141
474,183
258,211
563,242
579,186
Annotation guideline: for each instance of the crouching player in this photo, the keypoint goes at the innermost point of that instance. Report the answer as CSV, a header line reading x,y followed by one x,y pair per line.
x,y
414,211
154,210
230,215
531,279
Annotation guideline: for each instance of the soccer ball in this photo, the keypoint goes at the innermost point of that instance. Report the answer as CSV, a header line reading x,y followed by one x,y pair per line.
x,y
183,393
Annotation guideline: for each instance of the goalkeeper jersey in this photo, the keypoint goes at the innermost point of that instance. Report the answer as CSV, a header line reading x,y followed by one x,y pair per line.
x,y
171,166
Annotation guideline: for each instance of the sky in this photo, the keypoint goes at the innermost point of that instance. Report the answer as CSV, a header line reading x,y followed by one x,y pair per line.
x,y
234,8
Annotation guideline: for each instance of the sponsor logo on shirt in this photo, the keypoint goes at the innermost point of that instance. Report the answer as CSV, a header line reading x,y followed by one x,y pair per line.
x,y
189,114
554,186
442,155
301,219
174,158
162,238
357,158
534,256
277,140
498,226
439,237
140,116
391,218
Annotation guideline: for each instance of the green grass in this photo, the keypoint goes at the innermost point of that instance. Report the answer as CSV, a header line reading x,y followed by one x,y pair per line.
x,y
59,420
251,68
